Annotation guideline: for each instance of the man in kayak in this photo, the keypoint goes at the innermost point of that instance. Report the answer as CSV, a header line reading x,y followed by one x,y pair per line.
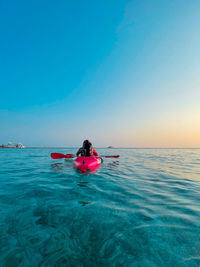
x,y
87,150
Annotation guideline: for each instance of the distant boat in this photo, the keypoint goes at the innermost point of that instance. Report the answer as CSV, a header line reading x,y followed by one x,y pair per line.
x,y
12,145
110,147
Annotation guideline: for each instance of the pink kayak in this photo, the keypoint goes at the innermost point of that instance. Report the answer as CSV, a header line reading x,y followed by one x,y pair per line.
x,y
87,163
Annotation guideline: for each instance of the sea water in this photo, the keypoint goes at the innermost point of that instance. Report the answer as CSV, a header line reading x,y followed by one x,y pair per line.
x,y
142,209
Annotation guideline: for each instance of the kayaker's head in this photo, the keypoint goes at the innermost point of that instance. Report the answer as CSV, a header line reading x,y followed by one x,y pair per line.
x,y
86,144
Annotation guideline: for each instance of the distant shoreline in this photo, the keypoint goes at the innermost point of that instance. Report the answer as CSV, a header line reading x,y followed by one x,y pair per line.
x,y
58,147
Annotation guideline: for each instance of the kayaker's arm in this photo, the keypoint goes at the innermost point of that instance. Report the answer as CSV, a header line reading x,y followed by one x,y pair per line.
x,y
78,152
94,152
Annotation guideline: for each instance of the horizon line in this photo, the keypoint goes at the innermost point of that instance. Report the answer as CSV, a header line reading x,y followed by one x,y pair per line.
x,y
116,147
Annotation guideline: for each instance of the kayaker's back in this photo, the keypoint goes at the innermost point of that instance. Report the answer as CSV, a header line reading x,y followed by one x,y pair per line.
x,y
87,150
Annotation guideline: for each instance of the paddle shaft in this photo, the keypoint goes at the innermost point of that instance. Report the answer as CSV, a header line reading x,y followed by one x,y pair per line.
x,y
70,156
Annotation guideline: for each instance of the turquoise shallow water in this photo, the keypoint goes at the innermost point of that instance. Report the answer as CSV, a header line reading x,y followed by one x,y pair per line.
x,y
140,210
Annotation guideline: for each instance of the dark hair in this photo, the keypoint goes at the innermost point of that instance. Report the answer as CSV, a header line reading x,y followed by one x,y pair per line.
x,y
86,143
87,146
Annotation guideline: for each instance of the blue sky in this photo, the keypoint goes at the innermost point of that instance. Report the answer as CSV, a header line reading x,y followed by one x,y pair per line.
x,y
122,73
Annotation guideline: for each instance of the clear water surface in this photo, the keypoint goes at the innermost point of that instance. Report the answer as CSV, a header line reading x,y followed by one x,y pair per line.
x,y
142,209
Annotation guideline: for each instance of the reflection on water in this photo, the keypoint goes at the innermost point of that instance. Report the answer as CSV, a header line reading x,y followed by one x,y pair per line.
x,y
83,184
84,203
60,167
140,210
113,164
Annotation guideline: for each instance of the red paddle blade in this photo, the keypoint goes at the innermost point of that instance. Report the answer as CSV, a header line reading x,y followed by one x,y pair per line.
x,y
61,156
57,156
116,156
